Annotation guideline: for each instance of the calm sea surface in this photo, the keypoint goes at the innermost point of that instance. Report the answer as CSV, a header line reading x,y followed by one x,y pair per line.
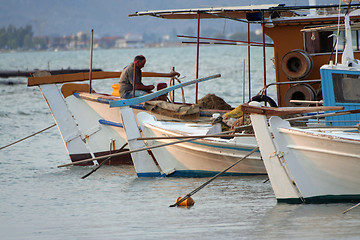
x,y
41,201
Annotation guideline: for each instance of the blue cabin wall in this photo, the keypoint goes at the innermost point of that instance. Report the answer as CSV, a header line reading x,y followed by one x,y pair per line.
x,y
329,99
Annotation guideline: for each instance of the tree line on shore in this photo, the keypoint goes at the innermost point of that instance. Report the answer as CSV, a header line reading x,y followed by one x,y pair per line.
x,y
16,38
22,38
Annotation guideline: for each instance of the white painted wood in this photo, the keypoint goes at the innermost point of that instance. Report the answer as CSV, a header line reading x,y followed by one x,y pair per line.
x,y
322,162
67,126
308,163
143,162
273,159
165,159
202,155
98,136
348,53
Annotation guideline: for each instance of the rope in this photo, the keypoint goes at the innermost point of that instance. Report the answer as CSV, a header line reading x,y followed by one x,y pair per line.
x,y
182,89
211,179
27,137
351,208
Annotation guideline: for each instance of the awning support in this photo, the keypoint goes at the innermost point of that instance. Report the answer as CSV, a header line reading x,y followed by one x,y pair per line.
x,y
197,56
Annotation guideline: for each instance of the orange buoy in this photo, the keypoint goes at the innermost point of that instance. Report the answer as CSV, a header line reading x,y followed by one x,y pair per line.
x,y
115,88
187,202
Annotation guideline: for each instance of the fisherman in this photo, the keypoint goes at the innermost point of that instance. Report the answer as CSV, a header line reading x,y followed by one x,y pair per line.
x,y
127,76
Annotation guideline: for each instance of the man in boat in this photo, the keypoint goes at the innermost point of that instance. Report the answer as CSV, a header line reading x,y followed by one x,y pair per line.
x,y
127,79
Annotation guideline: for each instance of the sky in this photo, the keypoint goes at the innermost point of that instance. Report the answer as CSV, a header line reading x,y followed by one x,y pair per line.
x,y
110,17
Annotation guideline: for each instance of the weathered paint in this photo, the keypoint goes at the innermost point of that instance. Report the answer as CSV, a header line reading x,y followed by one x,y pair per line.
x,y
287,36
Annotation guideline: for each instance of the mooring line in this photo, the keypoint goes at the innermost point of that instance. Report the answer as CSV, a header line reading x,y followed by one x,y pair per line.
x,y
27,137
347,210
211,179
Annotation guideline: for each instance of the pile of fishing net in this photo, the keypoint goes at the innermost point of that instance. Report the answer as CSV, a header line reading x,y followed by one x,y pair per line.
x,y
211,101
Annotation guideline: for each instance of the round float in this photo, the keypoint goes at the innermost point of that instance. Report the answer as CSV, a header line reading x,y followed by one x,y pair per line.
x,y
186,203
300,91
296,64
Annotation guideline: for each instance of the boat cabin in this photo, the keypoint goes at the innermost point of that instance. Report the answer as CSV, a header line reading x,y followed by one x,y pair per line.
x,y
341,88
298,53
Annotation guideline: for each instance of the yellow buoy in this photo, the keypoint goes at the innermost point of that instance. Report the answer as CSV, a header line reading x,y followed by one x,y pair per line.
x,y
187,202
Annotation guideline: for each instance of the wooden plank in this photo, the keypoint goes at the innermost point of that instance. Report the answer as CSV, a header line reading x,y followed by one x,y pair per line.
x,y
83,76
271,111
19,73
148,97
74,77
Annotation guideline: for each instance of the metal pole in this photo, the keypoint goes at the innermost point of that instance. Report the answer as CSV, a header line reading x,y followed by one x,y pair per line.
x,y
264,54
249,61
243,81
224,40
197,56
173,83
133,83
91,57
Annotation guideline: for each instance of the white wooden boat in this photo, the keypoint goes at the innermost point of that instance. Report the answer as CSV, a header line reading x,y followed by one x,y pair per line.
x,y
91,127
315,165
90,124
202,154
309,165
200,157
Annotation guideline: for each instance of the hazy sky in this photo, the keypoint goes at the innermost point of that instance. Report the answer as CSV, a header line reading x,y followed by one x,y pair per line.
x,y
110,17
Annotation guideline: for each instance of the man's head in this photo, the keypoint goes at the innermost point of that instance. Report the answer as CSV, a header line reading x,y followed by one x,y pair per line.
x,y
139,61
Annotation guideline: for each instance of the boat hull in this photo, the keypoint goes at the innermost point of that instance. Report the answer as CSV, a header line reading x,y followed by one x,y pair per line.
x,y
101,129
307,165
331,165
89,127
201,157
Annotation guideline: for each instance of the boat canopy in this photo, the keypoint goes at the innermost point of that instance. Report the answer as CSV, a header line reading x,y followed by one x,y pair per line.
x,y
237,12
211,12
334,27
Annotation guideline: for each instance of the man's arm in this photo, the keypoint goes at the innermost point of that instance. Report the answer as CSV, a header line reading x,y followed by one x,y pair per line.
x,y
147,88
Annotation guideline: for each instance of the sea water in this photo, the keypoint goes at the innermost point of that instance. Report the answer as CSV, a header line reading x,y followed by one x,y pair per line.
x,y
40,201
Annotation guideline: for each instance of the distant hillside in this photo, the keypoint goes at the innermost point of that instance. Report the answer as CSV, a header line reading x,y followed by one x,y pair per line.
x,y
110,17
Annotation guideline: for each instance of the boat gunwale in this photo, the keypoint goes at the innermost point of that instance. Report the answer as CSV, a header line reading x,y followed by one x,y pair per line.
x,y
346,137
210,142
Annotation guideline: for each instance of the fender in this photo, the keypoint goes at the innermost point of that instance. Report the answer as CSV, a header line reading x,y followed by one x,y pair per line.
x,y
264,98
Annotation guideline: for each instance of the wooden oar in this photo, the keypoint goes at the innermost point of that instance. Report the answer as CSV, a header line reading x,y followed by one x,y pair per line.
x,y
324,115
198,136
211,179
127,152
272,111
84,76
148,97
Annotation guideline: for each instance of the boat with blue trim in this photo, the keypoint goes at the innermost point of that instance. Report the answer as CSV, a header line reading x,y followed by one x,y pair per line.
x,y
201,157
298,58
90,123
316,165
